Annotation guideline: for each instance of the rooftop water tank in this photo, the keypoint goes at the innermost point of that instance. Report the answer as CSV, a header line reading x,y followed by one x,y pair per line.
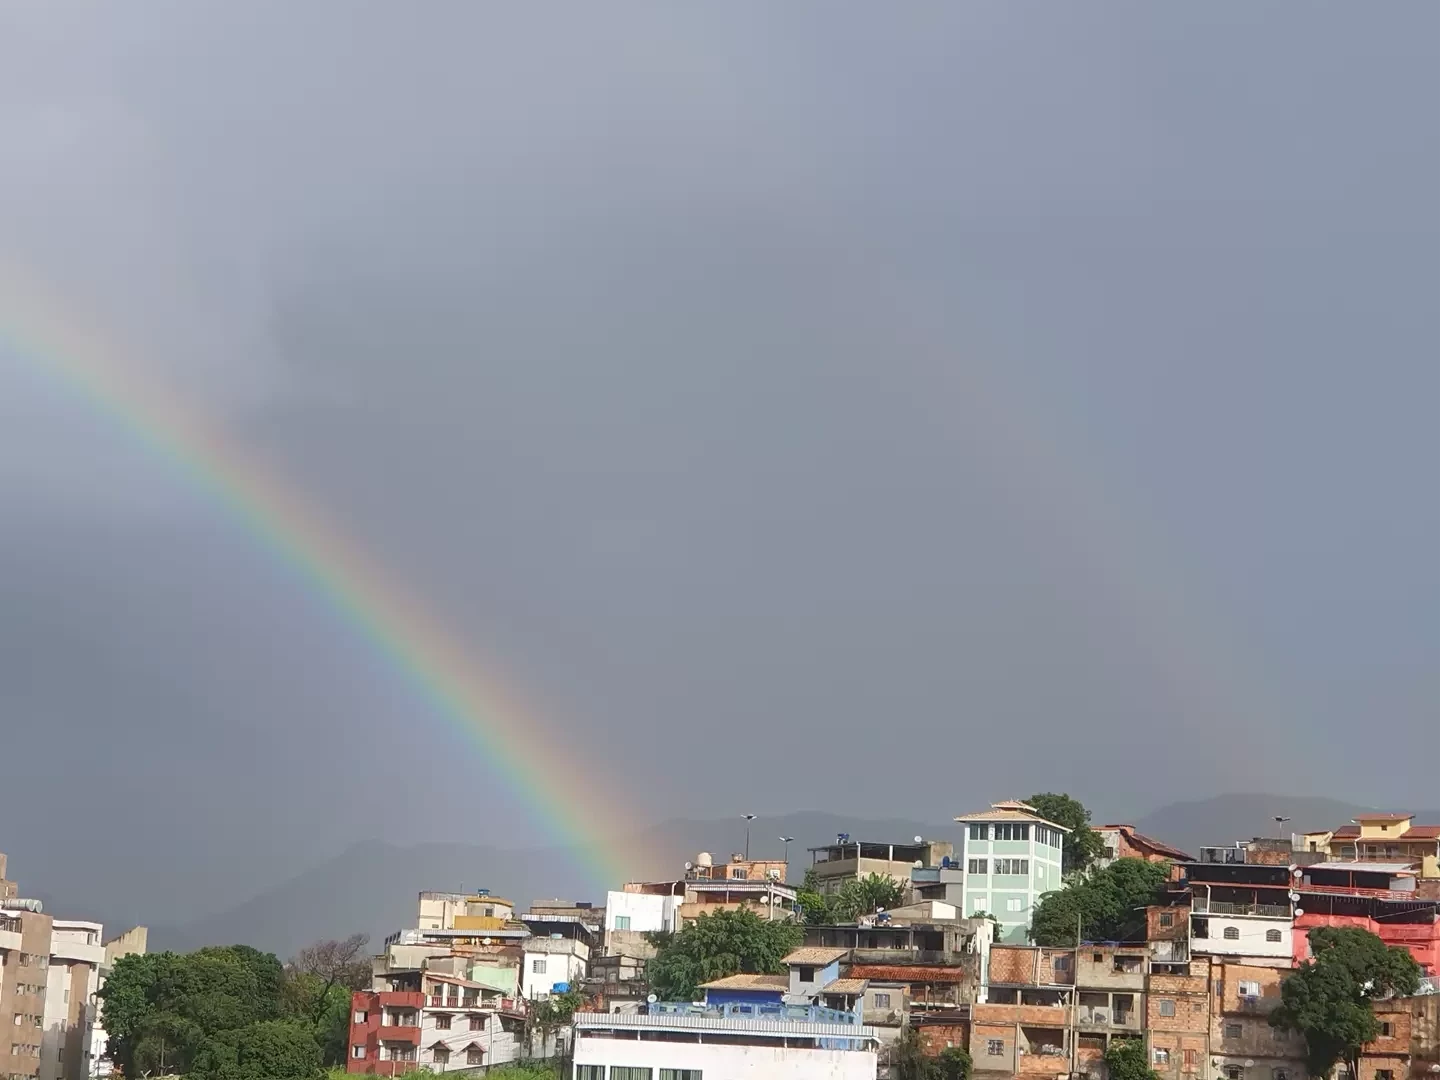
x,y
704,859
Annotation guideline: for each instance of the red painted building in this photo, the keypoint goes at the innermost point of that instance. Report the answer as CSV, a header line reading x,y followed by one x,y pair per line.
x,y
448,1023
1379,897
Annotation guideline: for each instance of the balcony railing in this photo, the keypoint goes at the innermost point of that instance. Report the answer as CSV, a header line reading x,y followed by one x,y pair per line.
x,y
1206,906
759,1010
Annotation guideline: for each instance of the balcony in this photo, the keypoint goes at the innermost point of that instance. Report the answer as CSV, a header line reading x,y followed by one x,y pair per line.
x,y
1203,905
400,1033
814,1014
401,999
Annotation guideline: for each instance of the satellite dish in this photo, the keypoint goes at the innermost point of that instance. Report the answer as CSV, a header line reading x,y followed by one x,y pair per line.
x,y
879,911
652,999
1249,1063
1299,911
689,865
486,941
919,864
1294,896
1297,872
919,839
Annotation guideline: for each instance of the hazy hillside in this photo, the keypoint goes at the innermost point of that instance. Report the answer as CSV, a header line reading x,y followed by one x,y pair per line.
x,y
1225,819
371,887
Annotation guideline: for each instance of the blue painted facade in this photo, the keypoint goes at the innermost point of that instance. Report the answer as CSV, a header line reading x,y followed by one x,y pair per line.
x,y
717,998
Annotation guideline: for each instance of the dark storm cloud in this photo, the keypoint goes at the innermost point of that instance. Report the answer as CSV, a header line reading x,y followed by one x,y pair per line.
x,y
958,403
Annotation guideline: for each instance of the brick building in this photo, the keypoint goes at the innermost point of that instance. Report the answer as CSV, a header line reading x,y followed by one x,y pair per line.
x,y
24,972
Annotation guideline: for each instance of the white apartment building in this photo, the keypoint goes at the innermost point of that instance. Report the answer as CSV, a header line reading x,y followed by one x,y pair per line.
x,y
1011,857
642,913
68,1035
646,1046
551,963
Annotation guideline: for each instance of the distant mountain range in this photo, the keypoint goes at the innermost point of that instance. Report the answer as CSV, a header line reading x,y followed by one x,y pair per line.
x,y
371,886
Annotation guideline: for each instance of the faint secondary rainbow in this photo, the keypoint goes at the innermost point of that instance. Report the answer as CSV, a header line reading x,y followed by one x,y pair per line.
x,y
549,780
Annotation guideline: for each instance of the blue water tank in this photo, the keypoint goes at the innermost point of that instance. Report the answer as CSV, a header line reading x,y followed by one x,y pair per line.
x,y
560,988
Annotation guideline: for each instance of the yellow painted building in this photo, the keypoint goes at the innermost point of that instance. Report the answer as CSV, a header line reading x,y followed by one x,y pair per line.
x,y
1383,837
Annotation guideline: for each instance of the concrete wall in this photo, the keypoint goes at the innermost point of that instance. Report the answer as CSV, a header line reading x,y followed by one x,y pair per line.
x,y
1252,937
644,911
560,966
730,1062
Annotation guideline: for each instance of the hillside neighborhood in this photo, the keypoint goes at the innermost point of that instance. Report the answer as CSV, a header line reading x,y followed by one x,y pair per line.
x,y
1024,943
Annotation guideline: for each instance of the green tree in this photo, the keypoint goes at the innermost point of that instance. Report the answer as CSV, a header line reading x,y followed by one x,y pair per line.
x,y
816,908
1329,1000
866,895
719,944
908,1060
1125,1059
267,1050
1106,902
1083,844
953,1064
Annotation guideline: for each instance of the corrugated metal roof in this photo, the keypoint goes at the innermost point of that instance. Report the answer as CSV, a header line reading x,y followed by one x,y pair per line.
x,y
1366,867
771,1028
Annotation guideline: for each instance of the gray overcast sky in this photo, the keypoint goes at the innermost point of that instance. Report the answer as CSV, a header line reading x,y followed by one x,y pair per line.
x,y
812,405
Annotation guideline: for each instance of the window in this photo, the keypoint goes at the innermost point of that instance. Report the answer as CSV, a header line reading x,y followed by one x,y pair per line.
x,y
807,974
1385,1028
474,1055
977,904
1167,1007
1162,1056
1167,919
357,1051
440,1055
538,967
442,1022
739,873
1233,1031
1272,935
1014,903
630,1072
1012,831
979,832
1012,866
1189,1060
680,1074
1097,958
1249,989
994,1047
360,1016
1232,933
1234,1072
1384,1074
589,1072
882,1001
1279,1074
477,1023
1060,963
622,922
978,866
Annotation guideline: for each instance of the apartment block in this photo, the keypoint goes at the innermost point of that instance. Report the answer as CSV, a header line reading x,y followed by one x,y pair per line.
x,y
1177,1018
77,957
846,859
1241,909
441,1022
1011,857
1382,837
1243,1044
24,978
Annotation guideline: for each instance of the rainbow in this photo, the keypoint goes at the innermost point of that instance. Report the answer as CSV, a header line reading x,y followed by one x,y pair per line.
x,y
398,630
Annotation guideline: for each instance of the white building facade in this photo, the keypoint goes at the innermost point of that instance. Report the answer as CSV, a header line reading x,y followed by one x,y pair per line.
x,y
630,1046
69,1036
1011,856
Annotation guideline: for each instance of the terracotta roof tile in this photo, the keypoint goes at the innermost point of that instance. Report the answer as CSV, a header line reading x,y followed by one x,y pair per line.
x,y
749,982
845,986
909,973
816,955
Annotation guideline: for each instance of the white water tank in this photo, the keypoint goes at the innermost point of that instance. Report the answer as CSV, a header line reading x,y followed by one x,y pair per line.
x,y
704,859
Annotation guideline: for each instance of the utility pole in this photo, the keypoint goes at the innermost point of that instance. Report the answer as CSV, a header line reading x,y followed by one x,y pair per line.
x,y
748,818
1075,1003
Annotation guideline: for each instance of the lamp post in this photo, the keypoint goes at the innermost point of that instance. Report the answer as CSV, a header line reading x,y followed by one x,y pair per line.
x,y
1280,826
786,841
748,818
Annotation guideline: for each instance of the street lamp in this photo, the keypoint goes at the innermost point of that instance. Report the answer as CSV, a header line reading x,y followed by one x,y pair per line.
x,y
1280,826
748,818
786,841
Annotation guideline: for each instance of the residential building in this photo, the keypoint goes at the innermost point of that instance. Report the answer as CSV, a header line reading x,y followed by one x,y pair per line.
x,y
1381,897
24,975
1240,908
617,983
725,1042
77,956
441,1022
846,860
739,868
1177,1018
1126,842
1409,1042
1382,837
556,957
1109,997
1011,857
462,911
646,907
1243,1045
581,911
